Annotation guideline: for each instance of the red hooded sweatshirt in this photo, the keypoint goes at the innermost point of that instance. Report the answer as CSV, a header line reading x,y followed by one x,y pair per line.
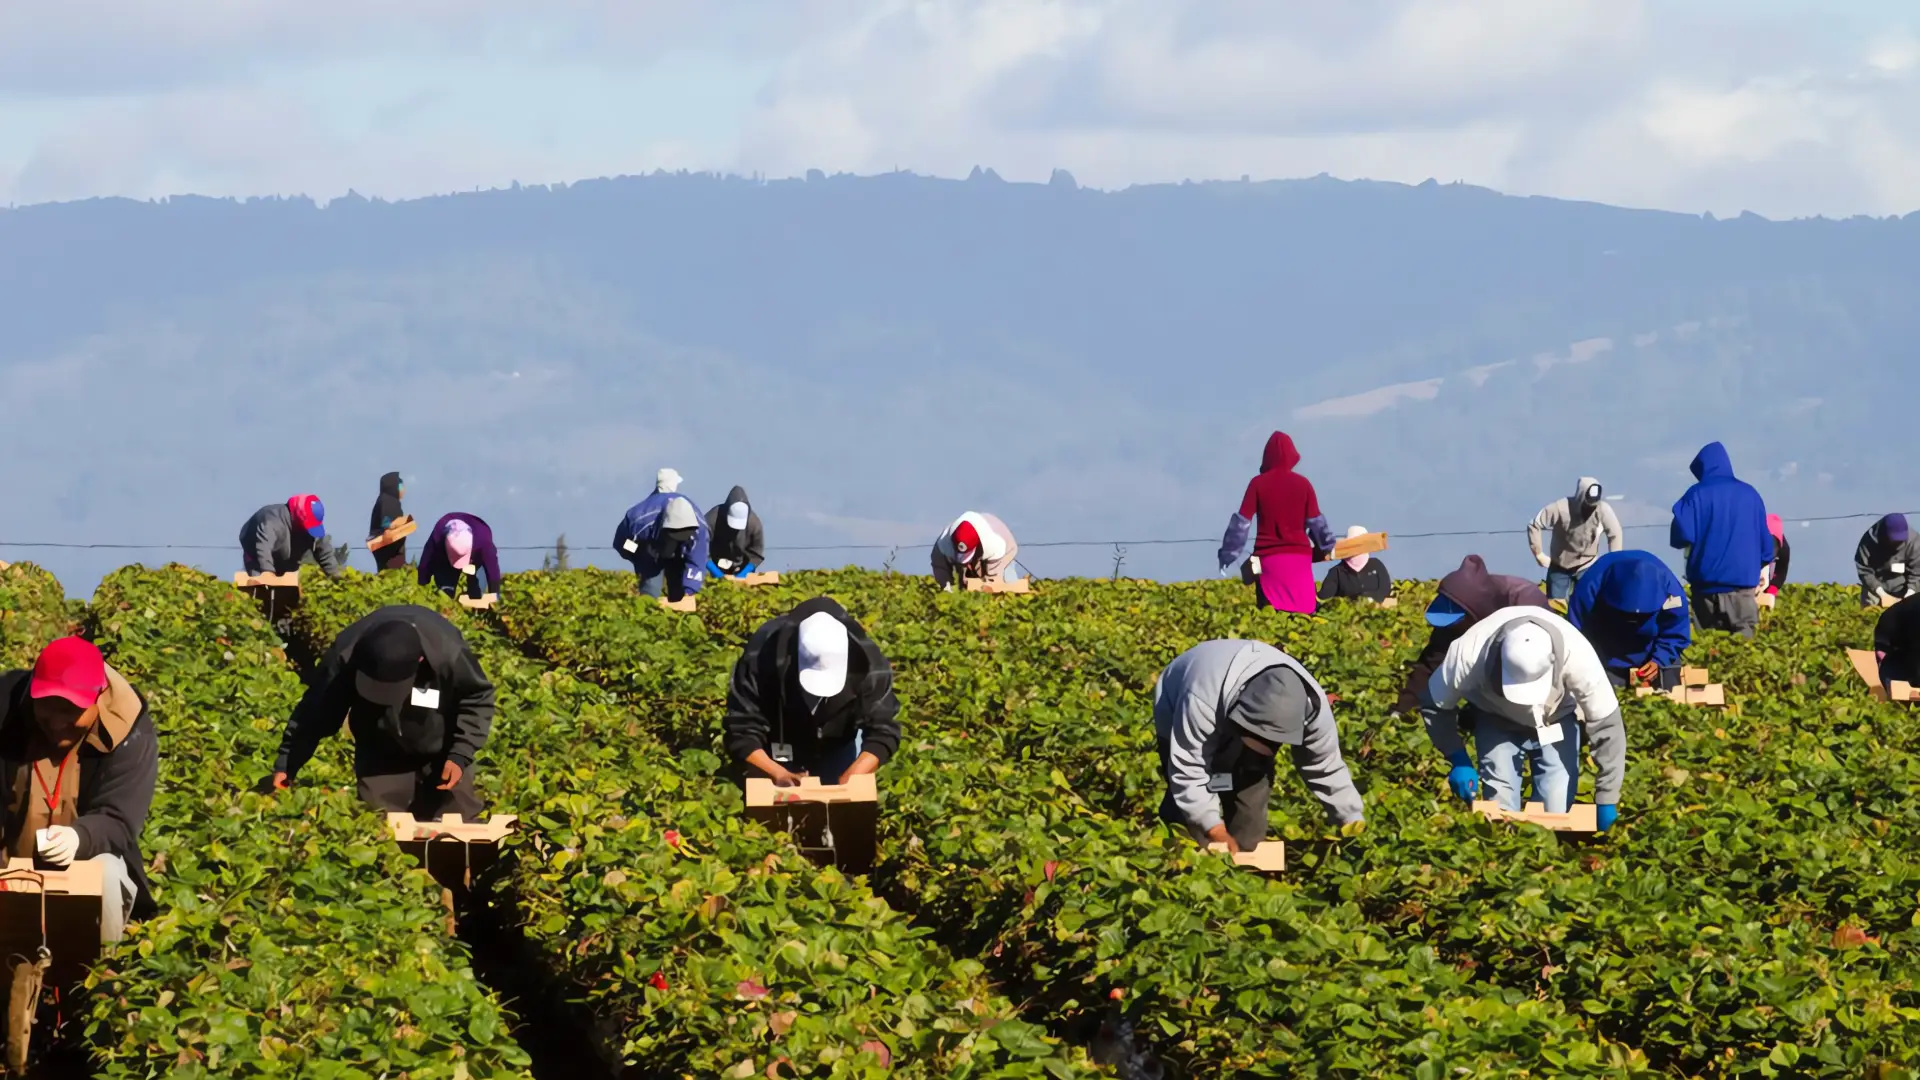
x,y
1284,502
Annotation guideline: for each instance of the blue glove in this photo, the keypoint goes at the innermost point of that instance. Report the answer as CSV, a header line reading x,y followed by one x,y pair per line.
x,y
715,570
748,569
1463,778
1605,814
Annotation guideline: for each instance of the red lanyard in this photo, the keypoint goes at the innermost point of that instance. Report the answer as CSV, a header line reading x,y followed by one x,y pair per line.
x,y
59,777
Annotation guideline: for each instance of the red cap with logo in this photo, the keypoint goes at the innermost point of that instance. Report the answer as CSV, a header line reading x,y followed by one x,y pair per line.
x,y
70,668
966,540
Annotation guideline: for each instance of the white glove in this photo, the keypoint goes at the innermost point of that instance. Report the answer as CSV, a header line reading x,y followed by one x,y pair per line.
x,y
57,844
1545,563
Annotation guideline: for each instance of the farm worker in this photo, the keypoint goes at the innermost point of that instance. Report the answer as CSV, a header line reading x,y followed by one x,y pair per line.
x,y
386,511
458,550
1466,596
1721,523
1776,574
1888,561
1896,643
1293,534
417,704
1634,614
279,535
1524,670
1221,713
811,695
1577,523
1361,577
739,541
78,763
977,546
665,539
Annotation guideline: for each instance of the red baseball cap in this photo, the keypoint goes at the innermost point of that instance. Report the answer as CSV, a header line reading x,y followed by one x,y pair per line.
x,y
70,668
966,539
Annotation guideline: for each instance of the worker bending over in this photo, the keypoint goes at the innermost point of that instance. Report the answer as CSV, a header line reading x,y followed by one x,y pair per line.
x,y
1888,562
417,704
1524,671
456,553
78,763
1633,612
738,543
665,539
1221,712
976,547
279,535
1466,596
811,695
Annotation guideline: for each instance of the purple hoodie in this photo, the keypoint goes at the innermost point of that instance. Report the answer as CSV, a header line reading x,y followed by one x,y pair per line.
x,y
434,565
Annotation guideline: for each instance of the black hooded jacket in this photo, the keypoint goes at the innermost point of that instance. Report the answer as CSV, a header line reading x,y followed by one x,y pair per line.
x,y
386,511
406,736
765,705
742,547
1897,634
1479,594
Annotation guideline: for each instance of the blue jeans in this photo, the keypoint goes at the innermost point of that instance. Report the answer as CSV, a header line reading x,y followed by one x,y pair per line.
x,y
670,582
1508,750
828,762
1560,584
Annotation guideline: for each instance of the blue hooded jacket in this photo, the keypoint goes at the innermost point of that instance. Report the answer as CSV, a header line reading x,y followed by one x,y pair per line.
x,y
642,525
1724,521
1621,605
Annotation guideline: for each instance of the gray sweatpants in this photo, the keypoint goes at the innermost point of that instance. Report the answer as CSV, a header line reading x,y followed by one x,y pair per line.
x,y
1737,612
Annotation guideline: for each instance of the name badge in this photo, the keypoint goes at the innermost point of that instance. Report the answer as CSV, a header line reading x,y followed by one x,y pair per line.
x,y
1548,734
1899,568
426,698
629,547
724,564
781,752
1220,783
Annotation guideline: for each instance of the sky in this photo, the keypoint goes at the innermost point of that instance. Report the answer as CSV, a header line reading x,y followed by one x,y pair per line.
x,y
1781,107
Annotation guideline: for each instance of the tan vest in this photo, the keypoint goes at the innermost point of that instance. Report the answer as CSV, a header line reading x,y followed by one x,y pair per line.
x,y
46,790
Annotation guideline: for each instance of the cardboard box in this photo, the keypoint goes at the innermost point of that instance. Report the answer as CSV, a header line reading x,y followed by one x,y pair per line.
x,y
1694,689
1267,858
1389,602
832,823
401,529
1889,601
1364,544
1867,666
454,851
1022,586
71,899
757,578
1579,818
685,604
244,580
481,604
1766,599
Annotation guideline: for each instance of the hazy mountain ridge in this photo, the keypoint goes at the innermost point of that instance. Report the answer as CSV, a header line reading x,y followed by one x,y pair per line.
x,y
869,356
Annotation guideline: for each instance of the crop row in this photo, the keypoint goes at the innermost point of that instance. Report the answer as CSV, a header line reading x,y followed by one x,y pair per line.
x,y
1753,916
699,944
294,938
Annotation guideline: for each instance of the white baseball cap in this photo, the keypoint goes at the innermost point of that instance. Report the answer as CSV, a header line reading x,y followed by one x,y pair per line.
x,y
1526,665
737,515
823,655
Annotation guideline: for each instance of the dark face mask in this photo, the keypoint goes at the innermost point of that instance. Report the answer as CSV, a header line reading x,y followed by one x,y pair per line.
x,y
669,542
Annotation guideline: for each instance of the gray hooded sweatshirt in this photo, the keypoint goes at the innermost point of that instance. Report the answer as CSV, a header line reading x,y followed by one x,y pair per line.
x,y
1198,688
270,543
1576,529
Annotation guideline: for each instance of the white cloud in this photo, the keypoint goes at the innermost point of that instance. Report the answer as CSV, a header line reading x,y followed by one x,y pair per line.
x,y
1624,101
1369,402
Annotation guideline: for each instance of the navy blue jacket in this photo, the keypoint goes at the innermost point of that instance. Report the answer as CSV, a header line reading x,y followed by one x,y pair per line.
x,y
642,525
1724,521
1632,608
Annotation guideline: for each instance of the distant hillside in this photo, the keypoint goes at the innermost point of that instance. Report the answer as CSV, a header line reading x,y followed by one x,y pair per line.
x,y
872,355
